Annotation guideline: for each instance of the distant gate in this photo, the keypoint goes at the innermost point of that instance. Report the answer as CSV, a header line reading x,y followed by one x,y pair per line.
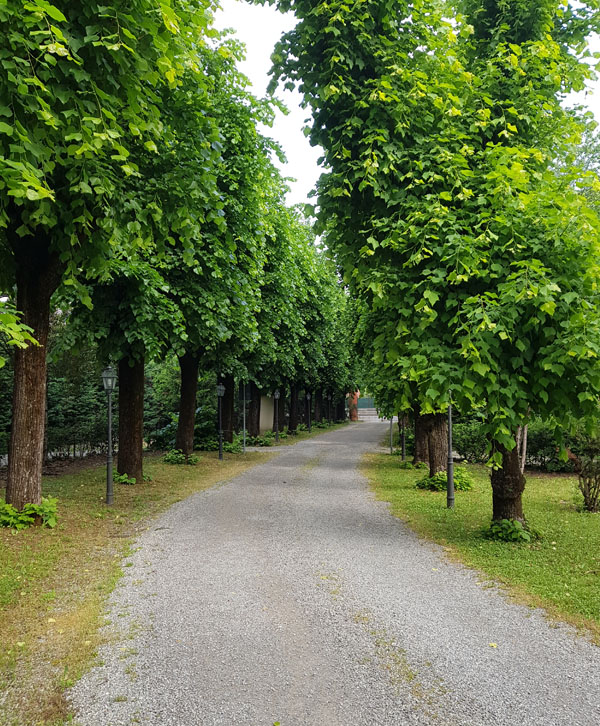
x,y
366,403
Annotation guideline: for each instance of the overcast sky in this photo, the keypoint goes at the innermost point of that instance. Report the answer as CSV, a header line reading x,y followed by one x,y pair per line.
x,y
259,28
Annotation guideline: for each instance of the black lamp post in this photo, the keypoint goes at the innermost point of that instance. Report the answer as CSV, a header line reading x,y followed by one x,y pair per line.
x,y
276,395
220,394
109,381
308,406
450,481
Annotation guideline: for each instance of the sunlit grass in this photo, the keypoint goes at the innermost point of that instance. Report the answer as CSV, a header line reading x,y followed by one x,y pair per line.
x,y
560,572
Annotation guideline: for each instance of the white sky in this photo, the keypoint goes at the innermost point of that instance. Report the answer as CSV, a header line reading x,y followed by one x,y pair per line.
x,y
259,28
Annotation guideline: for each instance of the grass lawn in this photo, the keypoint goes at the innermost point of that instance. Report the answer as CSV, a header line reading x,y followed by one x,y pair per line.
x,y
53,582
560,572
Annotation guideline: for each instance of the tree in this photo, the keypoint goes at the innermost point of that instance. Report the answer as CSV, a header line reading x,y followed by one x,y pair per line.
x,y
444,207
75,93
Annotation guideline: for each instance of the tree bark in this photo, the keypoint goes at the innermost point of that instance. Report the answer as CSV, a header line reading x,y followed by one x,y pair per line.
x,y
37,275
188,365
437,442
508,484
340,409
253,422
294,409
228,410
421,445
131,418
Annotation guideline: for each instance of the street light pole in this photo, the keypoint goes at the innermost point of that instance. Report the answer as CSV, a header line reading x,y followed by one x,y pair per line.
x,y
109,380
308,400
276,395
450,481
220,394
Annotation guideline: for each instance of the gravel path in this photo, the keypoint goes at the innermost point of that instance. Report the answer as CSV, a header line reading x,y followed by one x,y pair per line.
x,y
290,595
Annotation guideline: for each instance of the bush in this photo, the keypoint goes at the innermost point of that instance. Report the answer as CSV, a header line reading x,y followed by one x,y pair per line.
x,y
123,479
470,442
404,464
510,530
589,484
176,456
10,517
439,482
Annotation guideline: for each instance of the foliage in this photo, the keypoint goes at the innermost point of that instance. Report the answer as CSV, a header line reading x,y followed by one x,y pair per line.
x,y
439,482
175,456
475,260
510,530
403,464
123,479
44,512
470,441
12,330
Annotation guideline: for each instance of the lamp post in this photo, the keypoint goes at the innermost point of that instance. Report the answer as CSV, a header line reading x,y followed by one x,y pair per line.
x,y
403,437
276,395
308,402
220,394
450,481
109,381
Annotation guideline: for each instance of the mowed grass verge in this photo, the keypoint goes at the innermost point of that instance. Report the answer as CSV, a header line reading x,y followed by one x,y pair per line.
x,y
559,572
53,583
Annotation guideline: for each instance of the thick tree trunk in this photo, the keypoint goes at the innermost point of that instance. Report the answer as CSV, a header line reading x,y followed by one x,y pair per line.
x,y
188,364
340,410
421,445
437,442
253,422
37,275
131,419
228,410
294,409
508,484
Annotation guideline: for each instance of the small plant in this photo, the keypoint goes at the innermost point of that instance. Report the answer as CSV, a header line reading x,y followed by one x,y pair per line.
x,y
589,484
437,483
123,479
404,464
176,456
44,512
510,530
421,465
147,477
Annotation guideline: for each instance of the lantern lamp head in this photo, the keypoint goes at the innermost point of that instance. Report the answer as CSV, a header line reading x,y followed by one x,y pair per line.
x,y
109,379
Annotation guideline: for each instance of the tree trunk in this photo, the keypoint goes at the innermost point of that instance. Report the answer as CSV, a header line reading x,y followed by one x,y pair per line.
x,y
437,442
340,408
294,412
421,445
318,406
131,418
37,275
508,484
228,410
188,365
253,422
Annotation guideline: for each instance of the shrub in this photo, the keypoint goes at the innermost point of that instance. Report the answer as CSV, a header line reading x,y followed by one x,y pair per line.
x,y
589,484
404,464
437,483
176,456
46,511
421,465
123,479
470,442
510,530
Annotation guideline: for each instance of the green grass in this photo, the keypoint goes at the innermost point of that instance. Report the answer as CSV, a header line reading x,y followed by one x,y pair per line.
x,y
560,572
53,582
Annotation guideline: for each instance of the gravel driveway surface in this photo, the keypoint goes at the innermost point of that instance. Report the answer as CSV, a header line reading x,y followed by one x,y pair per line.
x,y
290,595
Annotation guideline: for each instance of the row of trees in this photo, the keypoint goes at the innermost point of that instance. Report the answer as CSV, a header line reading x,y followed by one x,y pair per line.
x,y
456,209
140,213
